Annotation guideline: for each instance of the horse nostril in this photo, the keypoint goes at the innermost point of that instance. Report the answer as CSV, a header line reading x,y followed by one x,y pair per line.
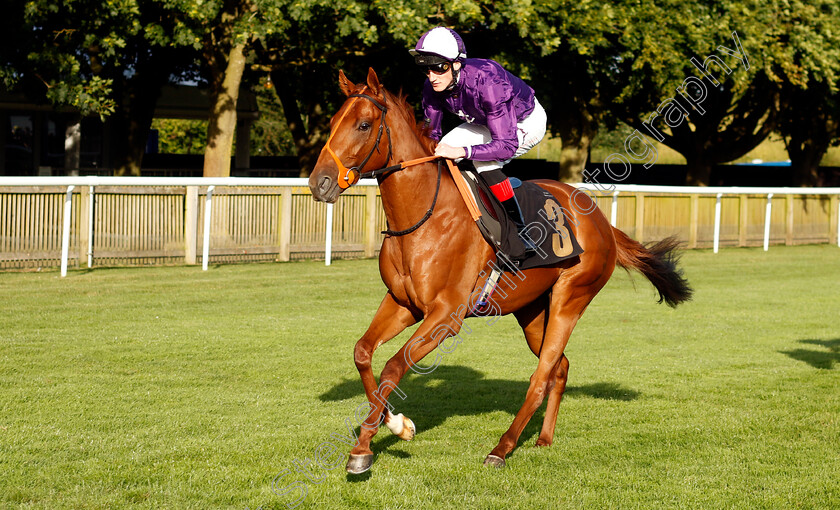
x,y
324,184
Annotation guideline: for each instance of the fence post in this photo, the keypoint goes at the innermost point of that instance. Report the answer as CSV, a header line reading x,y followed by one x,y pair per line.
x,y
742,224
84,220
190,225
716,241
208,212
285,225
640,217
614,209
767,216
694,213
789,221
65,230
837,219
92,209
328,240
834,221
370,222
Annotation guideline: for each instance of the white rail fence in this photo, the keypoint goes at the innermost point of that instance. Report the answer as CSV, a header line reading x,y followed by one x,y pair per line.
x,y
154,220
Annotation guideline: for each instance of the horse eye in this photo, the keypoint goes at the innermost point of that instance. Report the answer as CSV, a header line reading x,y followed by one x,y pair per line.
x,y
364,126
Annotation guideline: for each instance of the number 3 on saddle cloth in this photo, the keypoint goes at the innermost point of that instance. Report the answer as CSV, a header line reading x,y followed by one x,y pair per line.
x,y
545,222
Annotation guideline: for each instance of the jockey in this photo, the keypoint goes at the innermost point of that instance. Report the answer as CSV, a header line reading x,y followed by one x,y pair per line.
x,y
502,117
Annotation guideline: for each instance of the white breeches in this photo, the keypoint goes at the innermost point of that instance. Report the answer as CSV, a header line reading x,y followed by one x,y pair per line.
x,y
529,131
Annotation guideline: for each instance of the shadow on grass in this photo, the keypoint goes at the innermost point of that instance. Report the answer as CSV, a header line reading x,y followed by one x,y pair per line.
x,y
462,391
822,359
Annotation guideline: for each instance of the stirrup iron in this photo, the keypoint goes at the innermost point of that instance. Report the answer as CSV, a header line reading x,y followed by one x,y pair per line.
x,y
487,290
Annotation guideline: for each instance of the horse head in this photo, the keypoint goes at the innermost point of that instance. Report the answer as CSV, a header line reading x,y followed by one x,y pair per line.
x,y
358,132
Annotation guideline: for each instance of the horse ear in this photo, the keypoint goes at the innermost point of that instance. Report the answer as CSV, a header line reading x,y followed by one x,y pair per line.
x,y
373,81
346,85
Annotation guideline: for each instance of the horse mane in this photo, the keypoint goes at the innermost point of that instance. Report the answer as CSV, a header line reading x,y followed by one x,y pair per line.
x,y
404,108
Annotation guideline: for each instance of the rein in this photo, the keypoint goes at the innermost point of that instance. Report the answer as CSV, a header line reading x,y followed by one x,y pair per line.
x,y
401,166
345,180
428,213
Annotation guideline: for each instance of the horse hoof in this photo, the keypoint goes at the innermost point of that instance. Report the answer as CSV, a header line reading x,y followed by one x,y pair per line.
x,y
358,464
401,426
494,461
408,430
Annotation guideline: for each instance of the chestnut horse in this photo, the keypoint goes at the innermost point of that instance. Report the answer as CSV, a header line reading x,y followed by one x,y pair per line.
x,y
432,270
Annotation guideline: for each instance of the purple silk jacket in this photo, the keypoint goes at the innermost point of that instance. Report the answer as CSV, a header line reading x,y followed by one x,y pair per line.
x,y
488,95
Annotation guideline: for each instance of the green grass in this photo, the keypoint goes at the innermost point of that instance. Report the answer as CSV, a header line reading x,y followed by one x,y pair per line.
x,y
177,388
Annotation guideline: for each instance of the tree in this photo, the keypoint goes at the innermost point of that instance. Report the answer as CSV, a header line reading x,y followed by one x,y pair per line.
x,y
573,53
810,125
521,36
111,64
222,31
152,58
270,135
57,52
303,61
563,48
699,82
805,43
755,82
592,64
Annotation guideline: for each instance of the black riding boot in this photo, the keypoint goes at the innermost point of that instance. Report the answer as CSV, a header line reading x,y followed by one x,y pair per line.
x,y
514,212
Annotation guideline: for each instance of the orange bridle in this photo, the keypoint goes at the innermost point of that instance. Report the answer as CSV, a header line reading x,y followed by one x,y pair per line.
x,y
350,176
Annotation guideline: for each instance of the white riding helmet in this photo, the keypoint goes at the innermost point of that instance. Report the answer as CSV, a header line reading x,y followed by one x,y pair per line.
x,y
438,45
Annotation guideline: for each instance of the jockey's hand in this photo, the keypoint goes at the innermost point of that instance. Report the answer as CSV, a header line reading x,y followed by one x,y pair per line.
x,y
447,151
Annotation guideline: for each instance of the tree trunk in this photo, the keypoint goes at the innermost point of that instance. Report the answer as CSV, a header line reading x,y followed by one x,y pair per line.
x,y
307,144
809,130
131,128
133,118
573,157
577,137
222,124
805,156
699,171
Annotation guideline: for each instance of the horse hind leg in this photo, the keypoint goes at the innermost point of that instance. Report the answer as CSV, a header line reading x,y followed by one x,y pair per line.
x,y
567,304
555,396
533,320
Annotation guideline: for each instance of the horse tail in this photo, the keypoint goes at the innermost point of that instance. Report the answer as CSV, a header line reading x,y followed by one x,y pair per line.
x,y
658,262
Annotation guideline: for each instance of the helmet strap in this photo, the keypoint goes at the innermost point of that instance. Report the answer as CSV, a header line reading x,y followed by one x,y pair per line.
x,y
456,75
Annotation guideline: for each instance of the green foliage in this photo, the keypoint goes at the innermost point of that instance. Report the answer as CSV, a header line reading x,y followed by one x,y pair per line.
x,y
594,62
75,55
270,134
181,136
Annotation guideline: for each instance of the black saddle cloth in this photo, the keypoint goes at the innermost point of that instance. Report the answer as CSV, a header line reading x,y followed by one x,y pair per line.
x,y
546,224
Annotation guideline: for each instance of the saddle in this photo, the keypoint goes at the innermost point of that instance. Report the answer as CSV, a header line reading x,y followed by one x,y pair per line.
x,y
546,223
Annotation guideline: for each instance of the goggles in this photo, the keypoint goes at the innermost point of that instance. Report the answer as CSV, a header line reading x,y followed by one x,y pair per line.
x,y
438,69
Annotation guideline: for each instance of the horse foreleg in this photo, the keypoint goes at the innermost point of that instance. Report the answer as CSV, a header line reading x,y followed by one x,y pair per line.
x,y
389,321
436,328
